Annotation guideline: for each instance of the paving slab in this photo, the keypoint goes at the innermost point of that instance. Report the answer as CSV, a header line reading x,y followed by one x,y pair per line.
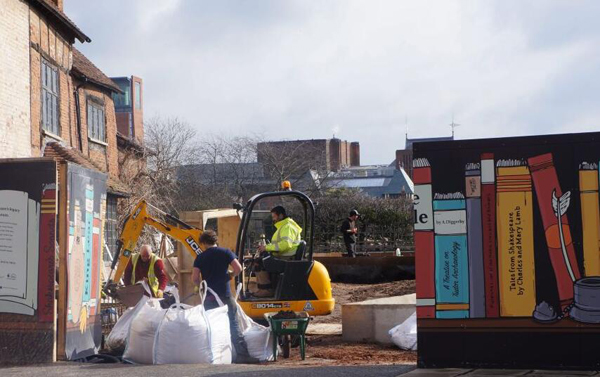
x,y
324,329
569,373
446,372
498,372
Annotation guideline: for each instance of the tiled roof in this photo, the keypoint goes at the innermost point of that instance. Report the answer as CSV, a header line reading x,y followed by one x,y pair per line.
x,y
54,149
82,66
49,7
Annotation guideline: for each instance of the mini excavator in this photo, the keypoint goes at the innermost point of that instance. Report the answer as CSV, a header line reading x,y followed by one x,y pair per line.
x,y
301,283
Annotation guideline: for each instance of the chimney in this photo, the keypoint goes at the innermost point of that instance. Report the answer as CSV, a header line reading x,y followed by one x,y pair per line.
x,y
355,153
335,154
59,4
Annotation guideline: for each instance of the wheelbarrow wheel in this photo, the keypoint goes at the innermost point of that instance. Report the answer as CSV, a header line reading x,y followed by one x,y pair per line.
x,y
285,346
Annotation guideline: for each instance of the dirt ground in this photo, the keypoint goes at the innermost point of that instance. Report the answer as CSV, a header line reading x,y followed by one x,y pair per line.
x,y
332,350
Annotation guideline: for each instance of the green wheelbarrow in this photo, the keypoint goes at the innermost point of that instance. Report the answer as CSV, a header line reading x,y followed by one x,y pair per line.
x,y
286,329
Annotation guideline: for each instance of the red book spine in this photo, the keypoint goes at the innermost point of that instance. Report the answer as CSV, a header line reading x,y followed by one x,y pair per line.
x,y
45,312
488,222
424,239
545,182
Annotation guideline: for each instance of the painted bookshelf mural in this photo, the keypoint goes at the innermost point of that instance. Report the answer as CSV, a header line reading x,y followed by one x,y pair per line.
x,y
477,249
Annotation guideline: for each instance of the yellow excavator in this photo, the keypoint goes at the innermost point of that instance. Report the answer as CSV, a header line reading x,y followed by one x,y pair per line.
x,y
301,284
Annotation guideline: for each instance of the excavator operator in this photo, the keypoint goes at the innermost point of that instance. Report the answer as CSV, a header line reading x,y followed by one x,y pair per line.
x,y
147,265
284,244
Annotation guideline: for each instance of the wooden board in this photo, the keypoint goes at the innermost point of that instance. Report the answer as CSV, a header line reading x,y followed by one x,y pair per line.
x,y
227,220
27,317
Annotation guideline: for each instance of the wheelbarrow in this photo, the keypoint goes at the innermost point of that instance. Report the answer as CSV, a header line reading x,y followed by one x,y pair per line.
x,y
285,329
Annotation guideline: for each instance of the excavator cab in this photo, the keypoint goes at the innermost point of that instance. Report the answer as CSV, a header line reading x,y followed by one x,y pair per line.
x,y
299,283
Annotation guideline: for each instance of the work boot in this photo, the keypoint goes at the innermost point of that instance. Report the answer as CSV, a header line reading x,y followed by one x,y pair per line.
x,y
245,359
242,356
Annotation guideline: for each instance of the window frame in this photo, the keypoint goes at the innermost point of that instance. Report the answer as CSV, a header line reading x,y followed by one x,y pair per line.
x,y
111,224
137,95
51,91
97,104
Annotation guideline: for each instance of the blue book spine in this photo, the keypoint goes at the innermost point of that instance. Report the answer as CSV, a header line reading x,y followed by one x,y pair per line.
x,y
475,241
451,256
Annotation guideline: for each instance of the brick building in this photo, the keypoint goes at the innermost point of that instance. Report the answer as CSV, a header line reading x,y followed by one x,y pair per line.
x,y
54,101
328,154
15,115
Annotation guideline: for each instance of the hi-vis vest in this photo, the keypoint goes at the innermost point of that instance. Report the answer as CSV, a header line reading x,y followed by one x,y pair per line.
x,y
286,239
152,280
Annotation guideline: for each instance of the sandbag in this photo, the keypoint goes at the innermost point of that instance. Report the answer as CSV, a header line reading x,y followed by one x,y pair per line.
x,y
117,339
259,338
405,334
193,335
140,342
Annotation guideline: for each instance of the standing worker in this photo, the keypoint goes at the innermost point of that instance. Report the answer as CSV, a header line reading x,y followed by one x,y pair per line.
x,y
147,266
349,232
212,265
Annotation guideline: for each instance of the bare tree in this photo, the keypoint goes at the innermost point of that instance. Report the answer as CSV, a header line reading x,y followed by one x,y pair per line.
x,y
151,171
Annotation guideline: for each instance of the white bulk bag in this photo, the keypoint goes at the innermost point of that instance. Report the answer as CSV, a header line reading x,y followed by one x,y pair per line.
x,y
193,335
117,339
405,334
140,342
259,338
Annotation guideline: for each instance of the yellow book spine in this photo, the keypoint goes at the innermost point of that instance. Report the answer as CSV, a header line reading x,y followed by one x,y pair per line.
x,y
590,218
516,264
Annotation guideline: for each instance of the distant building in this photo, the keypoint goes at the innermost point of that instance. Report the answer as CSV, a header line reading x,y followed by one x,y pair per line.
x,y
404,157
329,154
378,181
129,108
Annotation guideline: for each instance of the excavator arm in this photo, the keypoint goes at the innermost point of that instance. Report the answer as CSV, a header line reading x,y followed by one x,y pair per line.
x,y
132,229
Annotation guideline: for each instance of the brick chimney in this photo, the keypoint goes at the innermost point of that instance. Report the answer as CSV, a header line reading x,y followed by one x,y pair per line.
x,y
355,153
59,4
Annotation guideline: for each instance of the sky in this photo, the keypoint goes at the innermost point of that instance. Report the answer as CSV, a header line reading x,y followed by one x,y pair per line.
x,y
362,70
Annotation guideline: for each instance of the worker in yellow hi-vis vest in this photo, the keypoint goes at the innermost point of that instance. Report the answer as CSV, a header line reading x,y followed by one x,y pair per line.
x,y
147,265
284,243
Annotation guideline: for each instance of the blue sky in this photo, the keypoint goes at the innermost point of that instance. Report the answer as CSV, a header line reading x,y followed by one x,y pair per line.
x,y
293,69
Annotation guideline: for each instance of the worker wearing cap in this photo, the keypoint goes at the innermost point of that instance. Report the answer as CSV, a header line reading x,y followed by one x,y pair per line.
x,y
286,238
349,232
147,265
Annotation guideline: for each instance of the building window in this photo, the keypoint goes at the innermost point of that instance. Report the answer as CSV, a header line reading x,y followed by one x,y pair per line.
x,y
50,98
138,95
123,101
95,121
111,225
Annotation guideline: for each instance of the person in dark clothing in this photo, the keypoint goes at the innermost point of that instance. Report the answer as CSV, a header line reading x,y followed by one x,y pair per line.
x,y
349,232
212,266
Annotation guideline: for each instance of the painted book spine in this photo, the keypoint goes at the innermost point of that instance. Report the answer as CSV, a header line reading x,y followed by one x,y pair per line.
x,y
451,256
558,235
47,273
516,263
590,218
424,239
488,225
475,241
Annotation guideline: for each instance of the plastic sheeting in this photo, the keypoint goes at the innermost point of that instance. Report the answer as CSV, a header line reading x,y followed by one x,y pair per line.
x,y
405,334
